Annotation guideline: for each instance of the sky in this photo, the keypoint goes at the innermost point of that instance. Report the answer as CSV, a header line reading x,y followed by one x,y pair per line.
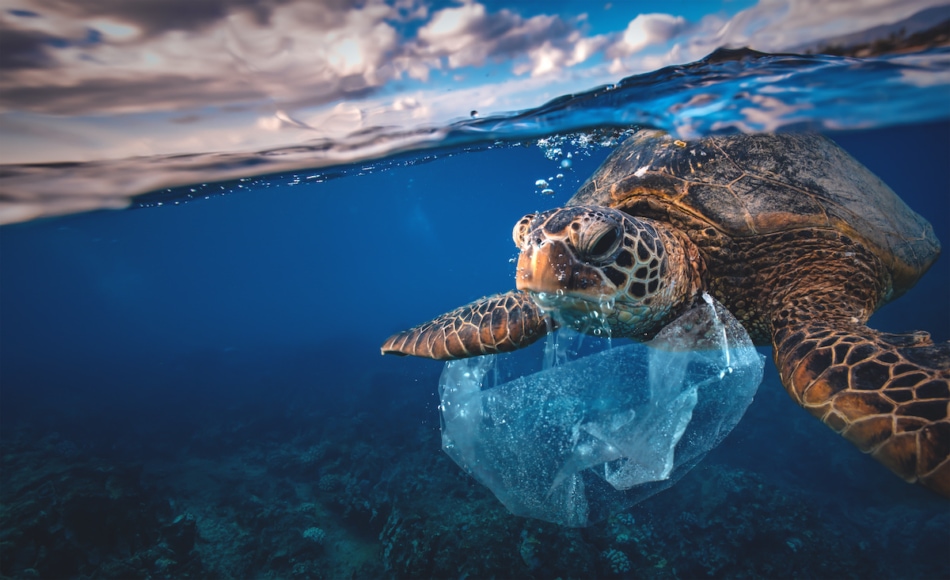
x,y
111,79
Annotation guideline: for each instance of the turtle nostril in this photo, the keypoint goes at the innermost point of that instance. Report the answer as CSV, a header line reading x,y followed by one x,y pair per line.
x,y
522,229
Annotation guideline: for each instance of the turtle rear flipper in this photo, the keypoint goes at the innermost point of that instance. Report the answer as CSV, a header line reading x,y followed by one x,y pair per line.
x,y
888,394
490,325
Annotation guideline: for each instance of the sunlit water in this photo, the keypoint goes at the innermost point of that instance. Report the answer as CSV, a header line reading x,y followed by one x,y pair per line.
x,y
210,369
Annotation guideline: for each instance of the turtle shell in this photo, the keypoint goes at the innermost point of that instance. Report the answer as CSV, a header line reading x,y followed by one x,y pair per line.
x,y
750,185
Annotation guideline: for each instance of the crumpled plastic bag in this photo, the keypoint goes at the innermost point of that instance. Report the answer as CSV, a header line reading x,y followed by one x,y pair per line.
x,y
577,442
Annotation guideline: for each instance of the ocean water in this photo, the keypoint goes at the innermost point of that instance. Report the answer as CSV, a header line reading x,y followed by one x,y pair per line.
x,y
195,389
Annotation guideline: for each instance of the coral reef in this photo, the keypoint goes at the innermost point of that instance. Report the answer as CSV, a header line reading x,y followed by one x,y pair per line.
x,y
315,534
69,514
617,560
343,494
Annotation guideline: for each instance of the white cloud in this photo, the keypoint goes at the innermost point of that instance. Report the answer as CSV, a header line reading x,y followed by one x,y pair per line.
x,y
650,29
453,33
469,35
674,41
449,26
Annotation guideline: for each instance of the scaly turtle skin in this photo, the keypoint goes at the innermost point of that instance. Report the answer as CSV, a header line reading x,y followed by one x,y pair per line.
x,y
795,237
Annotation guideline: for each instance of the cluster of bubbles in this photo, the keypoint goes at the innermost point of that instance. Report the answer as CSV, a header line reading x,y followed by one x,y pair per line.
x,y
564,148
553,146
545,186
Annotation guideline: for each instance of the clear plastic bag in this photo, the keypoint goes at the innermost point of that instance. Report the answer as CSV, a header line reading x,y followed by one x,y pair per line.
x,y
577,441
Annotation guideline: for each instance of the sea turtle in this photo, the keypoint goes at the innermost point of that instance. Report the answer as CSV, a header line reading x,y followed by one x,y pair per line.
x,y
795,237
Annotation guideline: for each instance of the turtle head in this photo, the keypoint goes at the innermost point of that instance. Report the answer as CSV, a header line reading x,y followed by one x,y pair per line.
x,y
595,269
601,271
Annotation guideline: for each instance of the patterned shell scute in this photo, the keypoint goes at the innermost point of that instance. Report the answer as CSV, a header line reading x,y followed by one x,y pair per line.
x,y
748,185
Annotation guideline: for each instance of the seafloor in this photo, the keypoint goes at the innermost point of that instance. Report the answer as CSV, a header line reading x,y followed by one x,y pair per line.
x,y
300,486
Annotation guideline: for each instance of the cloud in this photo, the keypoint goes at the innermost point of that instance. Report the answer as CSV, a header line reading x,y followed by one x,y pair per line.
x,y
153,18
670,39
122,96
24,49
279,52
468,35
112,56
649,29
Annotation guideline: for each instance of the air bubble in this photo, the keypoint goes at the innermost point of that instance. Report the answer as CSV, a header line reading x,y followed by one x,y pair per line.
x,y
541,183
565,163
547,191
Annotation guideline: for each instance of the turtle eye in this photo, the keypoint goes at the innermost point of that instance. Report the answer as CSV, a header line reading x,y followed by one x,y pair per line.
x,y
604,245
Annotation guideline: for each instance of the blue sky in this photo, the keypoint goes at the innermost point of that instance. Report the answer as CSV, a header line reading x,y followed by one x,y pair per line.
x,y
109,79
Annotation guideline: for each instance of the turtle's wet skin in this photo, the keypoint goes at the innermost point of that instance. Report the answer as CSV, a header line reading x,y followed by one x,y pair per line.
x,y
795,237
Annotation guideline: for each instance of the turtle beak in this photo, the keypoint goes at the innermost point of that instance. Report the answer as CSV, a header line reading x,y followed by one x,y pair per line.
x,y
551,266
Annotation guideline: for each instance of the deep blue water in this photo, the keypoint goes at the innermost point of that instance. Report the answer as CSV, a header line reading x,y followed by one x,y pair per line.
x,y
187,389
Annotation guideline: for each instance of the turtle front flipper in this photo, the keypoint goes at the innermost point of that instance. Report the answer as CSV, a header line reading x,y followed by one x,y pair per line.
x,y
888,394
497,323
